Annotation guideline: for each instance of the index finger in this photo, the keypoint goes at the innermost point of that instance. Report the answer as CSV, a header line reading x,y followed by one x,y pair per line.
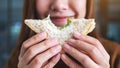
x,y
31,41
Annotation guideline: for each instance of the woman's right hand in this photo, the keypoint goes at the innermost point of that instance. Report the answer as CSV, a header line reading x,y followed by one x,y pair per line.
x,y
38,51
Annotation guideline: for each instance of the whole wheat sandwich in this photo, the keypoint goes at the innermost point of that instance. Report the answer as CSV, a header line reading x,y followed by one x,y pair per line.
x,y
83,26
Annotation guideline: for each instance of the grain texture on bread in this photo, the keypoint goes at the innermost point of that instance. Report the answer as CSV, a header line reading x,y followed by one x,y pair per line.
x,y
83,26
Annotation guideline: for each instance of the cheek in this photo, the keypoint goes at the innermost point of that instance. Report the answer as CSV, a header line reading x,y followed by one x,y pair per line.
x,y
80,8
42,7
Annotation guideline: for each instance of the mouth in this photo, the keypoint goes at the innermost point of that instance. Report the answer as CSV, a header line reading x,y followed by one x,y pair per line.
x,y
60,20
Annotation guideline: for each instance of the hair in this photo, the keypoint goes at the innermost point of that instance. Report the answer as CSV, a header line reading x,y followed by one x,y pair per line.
x,y
29,12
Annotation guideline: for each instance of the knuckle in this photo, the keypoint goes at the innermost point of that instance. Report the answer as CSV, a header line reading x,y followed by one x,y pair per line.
x,y
24,45
85,60
37,61
30,51
93,50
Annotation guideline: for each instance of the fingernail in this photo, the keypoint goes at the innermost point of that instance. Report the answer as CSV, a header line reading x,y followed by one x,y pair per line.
x,y
57,48
42,34
53,41
67,46
72,40
77,33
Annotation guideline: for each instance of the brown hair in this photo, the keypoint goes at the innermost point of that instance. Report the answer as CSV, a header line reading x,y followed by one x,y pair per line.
x,y
29,12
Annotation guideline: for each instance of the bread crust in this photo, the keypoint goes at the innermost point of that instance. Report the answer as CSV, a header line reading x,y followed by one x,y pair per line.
x,y
83,26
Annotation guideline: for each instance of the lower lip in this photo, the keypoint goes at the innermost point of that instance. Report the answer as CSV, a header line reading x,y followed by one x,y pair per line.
x,y
59,21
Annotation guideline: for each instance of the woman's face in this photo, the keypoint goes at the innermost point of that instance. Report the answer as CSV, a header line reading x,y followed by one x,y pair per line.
x,y
60,10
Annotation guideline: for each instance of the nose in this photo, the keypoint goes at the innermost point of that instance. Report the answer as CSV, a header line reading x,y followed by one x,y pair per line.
x,y
59,5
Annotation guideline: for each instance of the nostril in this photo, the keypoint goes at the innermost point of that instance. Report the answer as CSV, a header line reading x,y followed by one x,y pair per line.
x,y
59,5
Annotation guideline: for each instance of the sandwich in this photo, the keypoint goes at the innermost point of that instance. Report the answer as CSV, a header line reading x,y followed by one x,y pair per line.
x,y
83,26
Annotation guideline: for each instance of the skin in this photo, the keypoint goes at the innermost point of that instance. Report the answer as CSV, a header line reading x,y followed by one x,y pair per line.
x,y
42,52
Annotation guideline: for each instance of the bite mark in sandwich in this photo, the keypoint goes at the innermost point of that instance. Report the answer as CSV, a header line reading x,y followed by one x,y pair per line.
x,y
68,23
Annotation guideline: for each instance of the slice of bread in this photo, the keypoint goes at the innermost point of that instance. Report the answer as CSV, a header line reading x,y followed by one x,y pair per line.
x,y
83,26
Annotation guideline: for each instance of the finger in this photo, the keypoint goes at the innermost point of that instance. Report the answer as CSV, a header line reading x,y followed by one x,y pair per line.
x,y
44,64
93,41
82,58
37,49
70,63
45,56
53,61
92,51
20,64
31,41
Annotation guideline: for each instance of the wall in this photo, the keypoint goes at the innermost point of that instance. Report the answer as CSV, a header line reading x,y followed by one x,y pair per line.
x,y
10,18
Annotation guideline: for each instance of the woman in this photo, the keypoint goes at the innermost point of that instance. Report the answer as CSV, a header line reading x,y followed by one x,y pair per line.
x,y
35,51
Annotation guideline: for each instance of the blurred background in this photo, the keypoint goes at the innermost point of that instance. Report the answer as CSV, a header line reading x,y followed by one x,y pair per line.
x,y
107,18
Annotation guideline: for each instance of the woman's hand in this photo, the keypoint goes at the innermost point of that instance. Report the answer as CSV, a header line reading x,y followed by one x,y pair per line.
x,y
88,51
38,51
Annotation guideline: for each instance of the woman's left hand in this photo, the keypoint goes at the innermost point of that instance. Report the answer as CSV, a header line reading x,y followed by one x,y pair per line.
x,y
88,51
